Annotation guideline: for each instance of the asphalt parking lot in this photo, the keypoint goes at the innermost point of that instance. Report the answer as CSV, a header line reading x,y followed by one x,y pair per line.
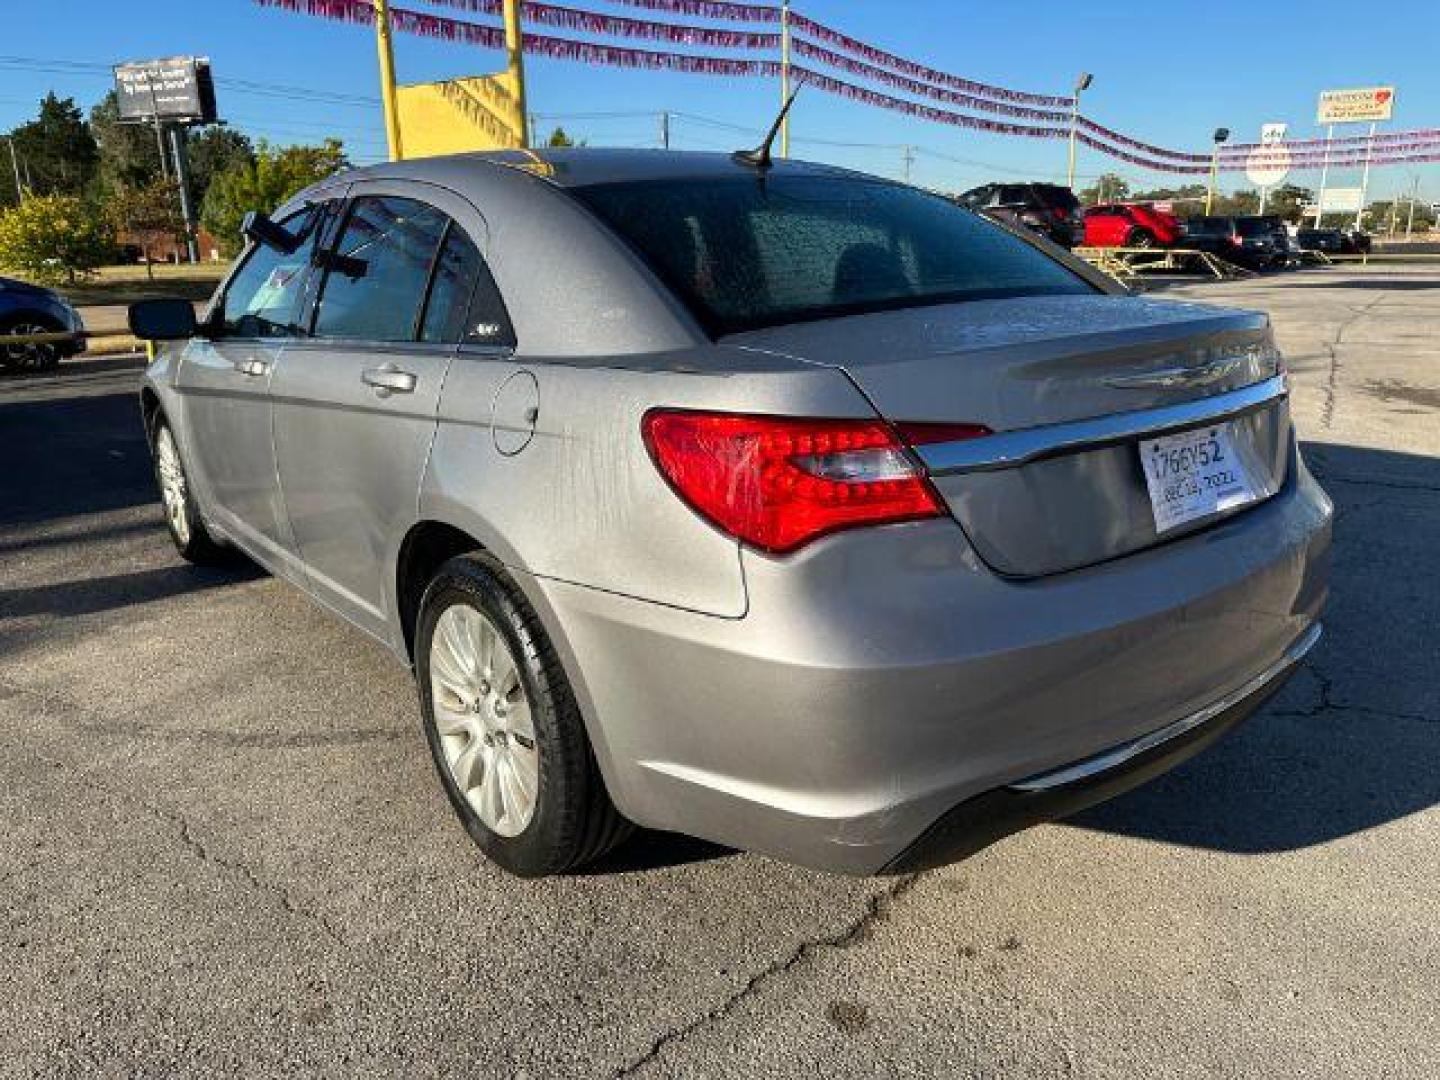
x,y
224,849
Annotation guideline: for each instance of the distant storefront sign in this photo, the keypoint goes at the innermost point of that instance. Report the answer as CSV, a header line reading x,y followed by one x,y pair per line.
x,y
178,89
1365,105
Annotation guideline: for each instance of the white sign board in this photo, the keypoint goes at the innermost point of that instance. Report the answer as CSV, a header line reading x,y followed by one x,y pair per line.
x,y
1341,200
1366,105
1267,166
1272,133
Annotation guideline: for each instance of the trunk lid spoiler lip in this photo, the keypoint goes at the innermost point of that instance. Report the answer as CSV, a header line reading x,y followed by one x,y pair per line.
x,y
1009,449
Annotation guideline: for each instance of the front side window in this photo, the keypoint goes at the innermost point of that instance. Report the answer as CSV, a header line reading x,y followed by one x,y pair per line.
x,y
376,278
744,252
262,299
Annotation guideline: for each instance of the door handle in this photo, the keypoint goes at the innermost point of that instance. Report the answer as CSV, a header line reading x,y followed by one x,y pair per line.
x,y
252,367
389,379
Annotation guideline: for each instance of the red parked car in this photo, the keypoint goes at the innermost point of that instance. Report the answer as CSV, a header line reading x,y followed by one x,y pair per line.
x,y
1130,225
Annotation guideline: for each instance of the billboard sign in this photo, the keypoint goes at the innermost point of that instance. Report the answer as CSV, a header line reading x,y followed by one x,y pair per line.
x,y
1341,200
1272,133
1366,105
178,89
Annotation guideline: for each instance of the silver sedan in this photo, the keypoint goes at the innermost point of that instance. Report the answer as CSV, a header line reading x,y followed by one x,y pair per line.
x,y
781,505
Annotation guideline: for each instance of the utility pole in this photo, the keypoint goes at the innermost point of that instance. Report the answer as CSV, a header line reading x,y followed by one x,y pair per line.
x,y
178,138
15,164
908,158
665,129
1221,134
785,76
1414,192
385,49
1081,85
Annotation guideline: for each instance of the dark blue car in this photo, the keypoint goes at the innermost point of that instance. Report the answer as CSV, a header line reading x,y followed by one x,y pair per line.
x,y
31,309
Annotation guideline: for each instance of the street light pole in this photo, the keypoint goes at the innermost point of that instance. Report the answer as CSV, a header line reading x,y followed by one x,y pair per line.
x,y
1221,134
1081,85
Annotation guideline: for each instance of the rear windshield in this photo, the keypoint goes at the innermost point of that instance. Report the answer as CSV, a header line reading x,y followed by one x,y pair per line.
x,y
1254,227
745,252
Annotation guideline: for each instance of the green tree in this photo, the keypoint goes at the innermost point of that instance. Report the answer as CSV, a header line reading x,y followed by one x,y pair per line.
x,y
1109,187
54,239
147,216
129,156
560,137
275,174
57,153
211,152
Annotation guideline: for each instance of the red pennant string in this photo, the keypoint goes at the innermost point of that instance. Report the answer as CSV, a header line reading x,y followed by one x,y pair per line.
x,y
710,9
833,59
569,18
884,59
1395,148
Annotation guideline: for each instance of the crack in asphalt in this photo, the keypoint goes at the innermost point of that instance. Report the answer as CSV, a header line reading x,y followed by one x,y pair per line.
x,y
876,912
1332,377
173,817
1327,703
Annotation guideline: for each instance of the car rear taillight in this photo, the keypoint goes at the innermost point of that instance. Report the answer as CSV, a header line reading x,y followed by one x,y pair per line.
x,y
777,482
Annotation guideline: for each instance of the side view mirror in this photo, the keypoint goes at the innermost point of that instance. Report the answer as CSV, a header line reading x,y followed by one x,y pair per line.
x,y
162,320
262,230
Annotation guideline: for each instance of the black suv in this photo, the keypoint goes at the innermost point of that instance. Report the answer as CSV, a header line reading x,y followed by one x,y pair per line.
x,y
1245,241
1049,209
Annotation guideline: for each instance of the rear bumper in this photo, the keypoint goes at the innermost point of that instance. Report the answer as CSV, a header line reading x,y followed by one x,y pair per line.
x,y
884,680
984,819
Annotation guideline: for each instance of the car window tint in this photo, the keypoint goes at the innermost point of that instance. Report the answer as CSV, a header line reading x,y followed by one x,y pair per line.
x,y
376,278
450,288
261,299
743,253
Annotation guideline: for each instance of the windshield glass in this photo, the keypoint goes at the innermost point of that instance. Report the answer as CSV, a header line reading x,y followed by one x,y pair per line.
x,y
745,252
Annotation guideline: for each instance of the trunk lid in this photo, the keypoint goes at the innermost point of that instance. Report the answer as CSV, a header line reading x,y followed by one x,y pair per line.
x,y
1046,366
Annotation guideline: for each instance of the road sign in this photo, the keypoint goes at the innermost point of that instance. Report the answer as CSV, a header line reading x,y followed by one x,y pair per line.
x,y
1365,105
178,89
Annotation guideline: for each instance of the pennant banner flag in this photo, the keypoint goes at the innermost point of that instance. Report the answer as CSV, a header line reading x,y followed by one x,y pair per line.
x,y
568,18
874,65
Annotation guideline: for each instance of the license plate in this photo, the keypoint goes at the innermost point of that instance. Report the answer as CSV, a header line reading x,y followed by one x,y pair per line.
x,y
1194,474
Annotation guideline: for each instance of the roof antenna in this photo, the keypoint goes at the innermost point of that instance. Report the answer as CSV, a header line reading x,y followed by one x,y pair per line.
x,y
760,156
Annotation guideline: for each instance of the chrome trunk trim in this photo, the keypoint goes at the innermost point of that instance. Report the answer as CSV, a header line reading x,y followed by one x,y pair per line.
x,y
1007,449
1100,763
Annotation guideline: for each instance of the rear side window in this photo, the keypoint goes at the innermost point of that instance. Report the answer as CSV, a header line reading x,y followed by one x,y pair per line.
x,y
262,299
745,252
376,278
464,304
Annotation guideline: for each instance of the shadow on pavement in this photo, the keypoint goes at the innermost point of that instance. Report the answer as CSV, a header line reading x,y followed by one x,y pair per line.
x,y
94,595
72,455
650,850
1351,744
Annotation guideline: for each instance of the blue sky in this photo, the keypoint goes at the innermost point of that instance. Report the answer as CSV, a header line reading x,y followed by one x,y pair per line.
x,y
1169,79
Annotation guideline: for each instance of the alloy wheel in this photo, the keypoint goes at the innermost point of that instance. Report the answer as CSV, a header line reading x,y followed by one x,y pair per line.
x,y
173,492
483,719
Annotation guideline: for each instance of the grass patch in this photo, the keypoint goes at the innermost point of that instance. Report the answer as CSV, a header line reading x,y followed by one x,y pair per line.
x,y
126,284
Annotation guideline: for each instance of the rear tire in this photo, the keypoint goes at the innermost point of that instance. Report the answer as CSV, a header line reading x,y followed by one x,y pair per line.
x,y
1140,238
503,727
182,517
